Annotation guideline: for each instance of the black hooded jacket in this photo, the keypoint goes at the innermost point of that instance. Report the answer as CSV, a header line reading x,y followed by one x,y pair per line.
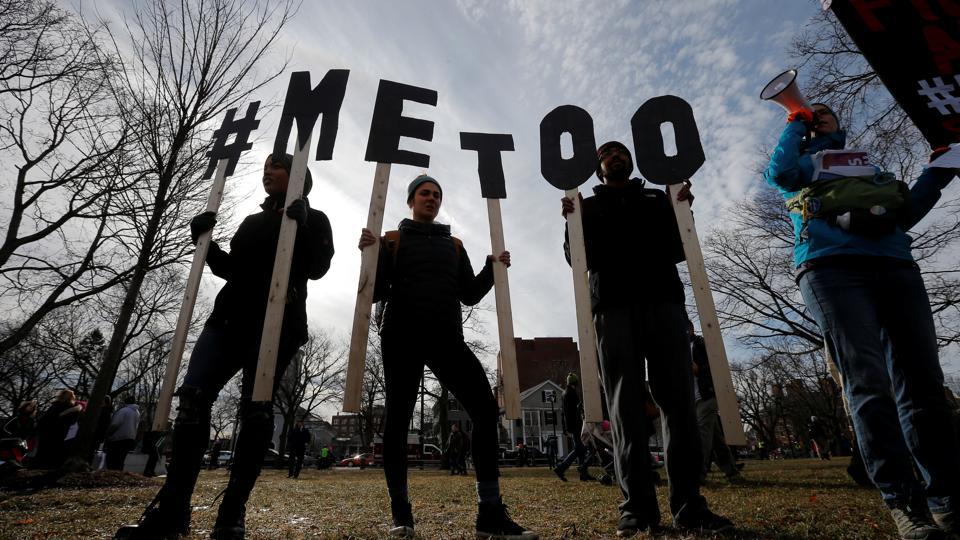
x,y
429,279
242,303
633,246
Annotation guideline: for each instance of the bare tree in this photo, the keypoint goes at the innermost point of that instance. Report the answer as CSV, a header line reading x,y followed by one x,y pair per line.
x,y
314,377
189,63
757,392
373,391
225,410
435,396
63,141
27,371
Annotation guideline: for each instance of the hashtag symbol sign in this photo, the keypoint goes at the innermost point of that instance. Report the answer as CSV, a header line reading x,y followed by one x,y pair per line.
x,y
940,95
241,128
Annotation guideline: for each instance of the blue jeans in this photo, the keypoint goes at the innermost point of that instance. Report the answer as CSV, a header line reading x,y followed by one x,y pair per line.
x,y
579,452
876,322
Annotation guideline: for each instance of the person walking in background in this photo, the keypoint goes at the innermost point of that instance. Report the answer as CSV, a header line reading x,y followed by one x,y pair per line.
x,y
712,443
215,450
861,285
122,433
819,442
454,449
572,426
297,443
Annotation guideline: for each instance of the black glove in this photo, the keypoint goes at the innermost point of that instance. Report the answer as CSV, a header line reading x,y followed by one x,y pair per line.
x,y
201,224
298,211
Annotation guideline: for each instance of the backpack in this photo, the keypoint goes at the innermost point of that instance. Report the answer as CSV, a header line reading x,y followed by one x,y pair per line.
x,y
392,238
868,205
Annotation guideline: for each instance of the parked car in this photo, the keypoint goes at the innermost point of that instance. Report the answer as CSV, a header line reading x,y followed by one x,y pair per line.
x,y
531,456
224,458
432,451
365,460
273,459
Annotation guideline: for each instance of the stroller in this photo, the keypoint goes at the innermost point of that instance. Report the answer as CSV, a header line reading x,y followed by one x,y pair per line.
x,y
596,437
13,450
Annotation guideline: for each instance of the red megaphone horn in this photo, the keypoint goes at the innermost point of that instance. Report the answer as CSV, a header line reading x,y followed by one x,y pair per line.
x,y
783,90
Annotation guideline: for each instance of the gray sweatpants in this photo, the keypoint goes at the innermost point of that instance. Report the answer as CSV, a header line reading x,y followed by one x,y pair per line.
x,y
712,444
654,334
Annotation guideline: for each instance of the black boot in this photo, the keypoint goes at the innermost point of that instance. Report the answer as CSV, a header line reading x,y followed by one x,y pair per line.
x,y
256,431
168,516
402,515
494,521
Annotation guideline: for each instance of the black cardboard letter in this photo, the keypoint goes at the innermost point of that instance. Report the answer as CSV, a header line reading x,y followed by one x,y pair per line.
x,y
389,124
232,151
305,106
651,160
489,161
567,173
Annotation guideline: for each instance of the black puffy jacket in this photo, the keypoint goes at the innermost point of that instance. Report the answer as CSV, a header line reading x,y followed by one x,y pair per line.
x,y
429,279
242,303
633,246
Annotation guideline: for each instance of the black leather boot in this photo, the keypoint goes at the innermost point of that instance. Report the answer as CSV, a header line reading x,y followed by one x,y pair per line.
x,y
256,431
168,516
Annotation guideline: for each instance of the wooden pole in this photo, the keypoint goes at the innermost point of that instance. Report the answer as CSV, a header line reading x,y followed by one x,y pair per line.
x,y
589,370
277,302
709,323
368,278
508,349
189,300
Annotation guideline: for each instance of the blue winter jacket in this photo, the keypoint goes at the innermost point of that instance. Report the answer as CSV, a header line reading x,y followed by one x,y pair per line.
x,y
791,169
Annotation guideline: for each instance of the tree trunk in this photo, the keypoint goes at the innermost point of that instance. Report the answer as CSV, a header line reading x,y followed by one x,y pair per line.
x,y
83,453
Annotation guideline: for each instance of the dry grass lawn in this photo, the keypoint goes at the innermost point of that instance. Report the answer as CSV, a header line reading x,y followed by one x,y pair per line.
x,y
783,499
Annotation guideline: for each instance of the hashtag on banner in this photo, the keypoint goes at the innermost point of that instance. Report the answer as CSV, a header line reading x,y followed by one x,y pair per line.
x,y
242,128
940,95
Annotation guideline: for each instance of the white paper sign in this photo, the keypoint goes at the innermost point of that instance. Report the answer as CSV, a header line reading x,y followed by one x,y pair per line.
x,y
949,160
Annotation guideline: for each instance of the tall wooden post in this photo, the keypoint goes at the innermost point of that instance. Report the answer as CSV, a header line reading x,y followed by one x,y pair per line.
x,y
589,369
277,301
189,301
508,350
368,278
709,323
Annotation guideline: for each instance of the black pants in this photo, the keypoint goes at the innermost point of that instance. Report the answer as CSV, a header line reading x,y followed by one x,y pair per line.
x,y
217,356
457,368
117,453
656,333
296,463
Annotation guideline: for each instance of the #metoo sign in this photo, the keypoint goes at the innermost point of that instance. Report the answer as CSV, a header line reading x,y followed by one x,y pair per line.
x,y
305,105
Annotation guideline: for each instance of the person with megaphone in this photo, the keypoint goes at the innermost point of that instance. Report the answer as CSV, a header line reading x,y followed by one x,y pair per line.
x,y
860,283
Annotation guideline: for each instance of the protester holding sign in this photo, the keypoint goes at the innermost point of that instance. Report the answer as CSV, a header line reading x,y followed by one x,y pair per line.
x,y
633,246
424,275
859,281
230,343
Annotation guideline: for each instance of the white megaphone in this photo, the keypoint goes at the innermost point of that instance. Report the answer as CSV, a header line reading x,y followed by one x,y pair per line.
x,y
783,90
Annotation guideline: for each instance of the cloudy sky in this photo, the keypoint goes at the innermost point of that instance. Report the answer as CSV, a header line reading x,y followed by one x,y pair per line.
x,y
499,67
